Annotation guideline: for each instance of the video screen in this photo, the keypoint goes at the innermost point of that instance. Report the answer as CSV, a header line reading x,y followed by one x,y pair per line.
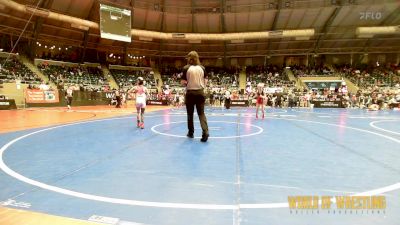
x,y
115,23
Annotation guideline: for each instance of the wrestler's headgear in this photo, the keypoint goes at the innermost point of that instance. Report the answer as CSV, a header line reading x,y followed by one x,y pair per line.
x,y
140,80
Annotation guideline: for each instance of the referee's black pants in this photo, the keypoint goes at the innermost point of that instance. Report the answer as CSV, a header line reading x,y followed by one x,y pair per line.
x,y
227,103
198,99
119,101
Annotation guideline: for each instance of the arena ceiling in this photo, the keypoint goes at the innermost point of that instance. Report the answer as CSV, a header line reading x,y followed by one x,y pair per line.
x,y
334,21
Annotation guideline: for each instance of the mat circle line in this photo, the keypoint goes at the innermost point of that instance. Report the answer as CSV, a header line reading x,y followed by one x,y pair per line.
x,y
260,130
372,124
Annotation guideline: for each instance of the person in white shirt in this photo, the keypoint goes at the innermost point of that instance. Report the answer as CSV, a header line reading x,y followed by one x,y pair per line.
x,y
141,94
43,86
69,93
227,99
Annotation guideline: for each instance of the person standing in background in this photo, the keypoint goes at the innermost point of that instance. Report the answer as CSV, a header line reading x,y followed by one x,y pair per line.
x,y
227,99
118,98
141,94
69,93
260,100
194,77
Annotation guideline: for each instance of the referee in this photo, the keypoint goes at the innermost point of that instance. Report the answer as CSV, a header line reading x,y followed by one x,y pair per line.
x,y
69,93
194,77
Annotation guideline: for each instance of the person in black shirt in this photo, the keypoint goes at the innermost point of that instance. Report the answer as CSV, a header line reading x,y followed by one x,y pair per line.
x,y
118,97
278,99
212,98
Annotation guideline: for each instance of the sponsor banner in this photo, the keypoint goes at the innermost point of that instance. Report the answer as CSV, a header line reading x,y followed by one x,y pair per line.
x,y
272,90
239,103
157,102
6,104
394,105
110,95
327,104
39,96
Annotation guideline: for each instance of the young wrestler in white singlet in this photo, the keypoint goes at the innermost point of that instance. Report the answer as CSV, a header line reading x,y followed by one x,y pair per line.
x,y
140,95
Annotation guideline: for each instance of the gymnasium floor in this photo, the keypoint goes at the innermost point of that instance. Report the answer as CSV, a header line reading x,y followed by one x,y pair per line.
x,y
102,168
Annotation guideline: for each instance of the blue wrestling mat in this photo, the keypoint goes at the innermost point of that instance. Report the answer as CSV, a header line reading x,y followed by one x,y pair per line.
x,y
109,170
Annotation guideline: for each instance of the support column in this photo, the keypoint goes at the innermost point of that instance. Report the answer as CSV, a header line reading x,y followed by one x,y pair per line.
x,y
307,63
38,28
85,41
86,32
223,30
351,59
162,27
265,60
125,57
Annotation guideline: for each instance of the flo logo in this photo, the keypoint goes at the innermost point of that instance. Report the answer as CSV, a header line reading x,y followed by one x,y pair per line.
x,y
371,15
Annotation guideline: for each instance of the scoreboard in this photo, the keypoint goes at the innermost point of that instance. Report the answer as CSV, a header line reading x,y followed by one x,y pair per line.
x,y
115,23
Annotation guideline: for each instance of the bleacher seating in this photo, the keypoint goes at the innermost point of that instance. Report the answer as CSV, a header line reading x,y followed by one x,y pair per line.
x,y
271,76
217,76
81,75
170,76
223,77
12,70
312,71
126,78
365,77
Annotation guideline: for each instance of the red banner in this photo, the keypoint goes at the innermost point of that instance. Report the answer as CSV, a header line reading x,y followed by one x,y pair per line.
x,y
39,96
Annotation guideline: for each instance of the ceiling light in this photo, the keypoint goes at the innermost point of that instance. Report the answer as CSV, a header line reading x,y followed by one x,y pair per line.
x,y
237,41
81,27
272,5
145,39
377,30
194,41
